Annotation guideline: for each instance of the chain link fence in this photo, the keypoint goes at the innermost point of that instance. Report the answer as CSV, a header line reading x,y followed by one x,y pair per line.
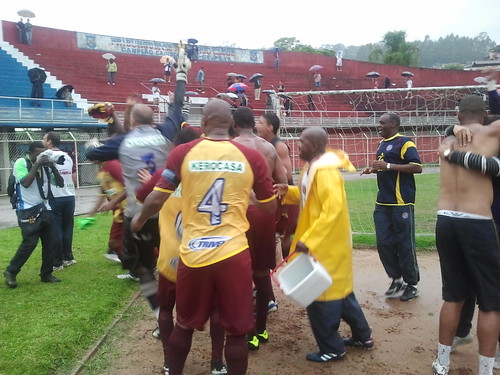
x,y
14,145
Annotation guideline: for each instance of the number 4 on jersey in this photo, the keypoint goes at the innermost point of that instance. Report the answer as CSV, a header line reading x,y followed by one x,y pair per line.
x,y
212,202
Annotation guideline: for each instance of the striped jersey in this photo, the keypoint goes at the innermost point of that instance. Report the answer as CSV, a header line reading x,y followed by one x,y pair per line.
x,y
217,177
396,188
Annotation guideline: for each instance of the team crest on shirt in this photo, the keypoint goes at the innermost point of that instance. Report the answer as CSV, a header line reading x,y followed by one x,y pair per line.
x,y
207,243
405,215
389,148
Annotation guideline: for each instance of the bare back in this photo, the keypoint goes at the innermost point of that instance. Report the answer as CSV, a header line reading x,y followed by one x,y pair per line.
x,y
465,190
266,149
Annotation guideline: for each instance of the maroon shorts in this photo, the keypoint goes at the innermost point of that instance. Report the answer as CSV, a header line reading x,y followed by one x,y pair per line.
x,y
226,285
165,296
116,234
262,238
293,215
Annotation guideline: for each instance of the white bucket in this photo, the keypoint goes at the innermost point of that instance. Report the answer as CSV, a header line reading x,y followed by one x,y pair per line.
x,y
304,279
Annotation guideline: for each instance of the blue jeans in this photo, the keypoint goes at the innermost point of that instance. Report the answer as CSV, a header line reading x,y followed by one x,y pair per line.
x,y
64,212
325,320
395,230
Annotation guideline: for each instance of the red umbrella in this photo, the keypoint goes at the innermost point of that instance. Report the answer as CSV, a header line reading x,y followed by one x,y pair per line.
x,y
238,86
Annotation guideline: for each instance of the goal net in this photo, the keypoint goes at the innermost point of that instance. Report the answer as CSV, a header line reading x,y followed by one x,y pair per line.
x,y
351,119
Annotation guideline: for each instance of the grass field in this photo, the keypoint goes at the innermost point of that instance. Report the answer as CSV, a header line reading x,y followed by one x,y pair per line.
x,y
361,197
46,328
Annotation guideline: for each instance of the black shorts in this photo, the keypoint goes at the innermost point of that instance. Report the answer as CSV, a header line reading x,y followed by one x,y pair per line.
x,y
469,254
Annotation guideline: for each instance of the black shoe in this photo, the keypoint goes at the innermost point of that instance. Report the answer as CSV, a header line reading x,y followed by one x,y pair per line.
x,y
10,279
410,293
395,289
50,279
351,341
325,357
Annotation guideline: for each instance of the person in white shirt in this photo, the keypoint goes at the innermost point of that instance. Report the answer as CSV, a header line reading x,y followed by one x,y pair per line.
x,y
409,85
63,203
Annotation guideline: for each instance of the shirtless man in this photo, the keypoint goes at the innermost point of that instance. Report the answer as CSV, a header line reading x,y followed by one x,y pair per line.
x,y
261,235
467,242
267,127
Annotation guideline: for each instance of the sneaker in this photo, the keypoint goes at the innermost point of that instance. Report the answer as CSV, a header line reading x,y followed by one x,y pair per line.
x,y
351,341
395,289
50,279
253,343
439,369
58,268
68,263
166,370
10,279
127,276
410,293
219,370
112,256
263,336
497,359
325,357
156,333
457,341
272,306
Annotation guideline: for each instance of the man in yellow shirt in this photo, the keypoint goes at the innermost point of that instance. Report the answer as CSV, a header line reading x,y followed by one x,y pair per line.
x,y
323,230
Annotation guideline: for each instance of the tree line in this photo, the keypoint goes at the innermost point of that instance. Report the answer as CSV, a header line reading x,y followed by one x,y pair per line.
x,y
451,51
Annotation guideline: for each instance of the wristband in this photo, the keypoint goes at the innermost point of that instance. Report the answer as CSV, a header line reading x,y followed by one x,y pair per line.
x,y
388,166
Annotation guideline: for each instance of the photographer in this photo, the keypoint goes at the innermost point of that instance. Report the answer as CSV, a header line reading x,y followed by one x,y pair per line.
x,y
33,212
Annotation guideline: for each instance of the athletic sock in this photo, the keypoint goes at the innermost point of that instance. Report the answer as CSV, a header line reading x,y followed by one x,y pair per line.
x,y
443,356
217,335
486,365
236,354
264,291
148,290
178,348
166,324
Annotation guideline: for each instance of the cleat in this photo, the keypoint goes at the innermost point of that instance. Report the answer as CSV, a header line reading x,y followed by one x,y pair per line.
x,y
68,263
272,306
439,369
127,276
253,343
263,336
410,293
457,341
219,369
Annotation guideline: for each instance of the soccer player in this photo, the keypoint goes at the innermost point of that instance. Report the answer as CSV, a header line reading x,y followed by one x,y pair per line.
x,y
262,233
397,162
467,242
217,176
144,147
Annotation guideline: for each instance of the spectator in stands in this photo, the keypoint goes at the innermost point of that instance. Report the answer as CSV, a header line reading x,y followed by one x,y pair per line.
x,y
168,70
317,79
21,28
387,82
276,58
63,203
257,88
310,103
200,77
112,69
281,87
37,89
66,96
339,56
28,27
155,90
409,85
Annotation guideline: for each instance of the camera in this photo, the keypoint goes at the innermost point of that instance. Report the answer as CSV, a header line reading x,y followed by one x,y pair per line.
x,y
53,157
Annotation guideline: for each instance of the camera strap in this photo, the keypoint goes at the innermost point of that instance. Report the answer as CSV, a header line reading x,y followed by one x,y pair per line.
x,y
39,180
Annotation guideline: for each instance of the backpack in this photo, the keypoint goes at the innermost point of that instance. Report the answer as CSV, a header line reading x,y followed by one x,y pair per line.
x,y
12,191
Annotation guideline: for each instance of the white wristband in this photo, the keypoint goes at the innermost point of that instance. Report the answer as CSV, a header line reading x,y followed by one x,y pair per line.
x,y
388,166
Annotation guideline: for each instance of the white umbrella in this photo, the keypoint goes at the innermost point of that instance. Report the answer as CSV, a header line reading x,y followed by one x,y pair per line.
x,y
227,95
26,13
108,56
156,80
480,80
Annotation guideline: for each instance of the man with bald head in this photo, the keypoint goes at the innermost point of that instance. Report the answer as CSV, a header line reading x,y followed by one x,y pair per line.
x,y
144,147
324,231
214,269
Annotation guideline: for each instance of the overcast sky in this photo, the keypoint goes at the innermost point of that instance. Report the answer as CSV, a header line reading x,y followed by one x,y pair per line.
x,y
258,23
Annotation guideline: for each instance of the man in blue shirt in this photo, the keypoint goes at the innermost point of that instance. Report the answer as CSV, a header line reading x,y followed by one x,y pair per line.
x,y
397,161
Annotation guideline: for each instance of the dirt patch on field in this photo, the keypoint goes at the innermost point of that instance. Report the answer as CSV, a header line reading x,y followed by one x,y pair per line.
x,y
405,334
